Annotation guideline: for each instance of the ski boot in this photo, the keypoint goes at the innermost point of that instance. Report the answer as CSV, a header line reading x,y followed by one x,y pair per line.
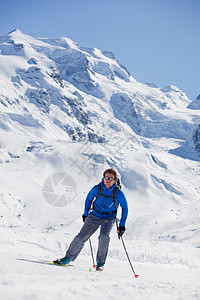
x,y
99,267
62,261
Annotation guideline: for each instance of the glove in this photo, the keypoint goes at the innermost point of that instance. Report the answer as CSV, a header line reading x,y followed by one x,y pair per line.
x,y
84,217
120,231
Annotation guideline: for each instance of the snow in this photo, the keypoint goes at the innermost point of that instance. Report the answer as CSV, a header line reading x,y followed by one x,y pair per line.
x,y
164,271
62,123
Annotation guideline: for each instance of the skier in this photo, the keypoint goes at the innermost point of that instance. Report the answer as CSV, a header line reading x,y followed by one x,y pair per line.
x,y
100,211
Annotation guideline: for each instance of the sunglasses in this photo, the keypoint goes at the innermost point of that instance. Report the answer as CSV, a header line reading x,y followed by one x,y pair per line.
x,y
109,178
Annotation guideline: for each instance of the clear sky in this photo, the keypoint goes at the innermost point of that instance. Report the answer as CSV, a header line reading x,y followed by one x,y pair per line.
x,y
157,40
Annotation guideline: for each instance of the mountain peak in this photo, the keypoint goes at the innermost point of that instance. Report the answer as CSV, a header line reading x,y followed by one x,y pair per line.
x,y
17,36
15,31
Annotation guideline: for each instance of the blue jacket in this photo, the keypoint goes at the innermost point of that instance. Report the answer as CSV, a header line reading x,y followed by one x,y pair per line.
x,y
105,204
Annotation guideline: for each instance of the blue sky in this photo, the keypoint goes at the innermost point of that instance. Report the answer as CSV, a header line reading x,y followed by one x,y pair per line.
x,y
157,40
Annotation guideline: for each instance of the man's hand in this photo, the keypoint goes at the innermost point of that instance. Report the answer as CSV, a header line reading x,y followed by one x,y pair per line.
x,y
120,231
84,218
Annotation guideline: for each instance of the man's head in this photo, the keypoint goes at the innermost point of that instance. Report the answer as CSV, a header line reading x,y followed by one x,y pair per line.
x,y
110,177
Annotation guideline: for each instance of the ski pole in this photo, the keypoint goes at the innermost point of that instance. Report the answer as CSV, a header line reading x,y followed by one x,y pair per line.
x,y
94,266
120,237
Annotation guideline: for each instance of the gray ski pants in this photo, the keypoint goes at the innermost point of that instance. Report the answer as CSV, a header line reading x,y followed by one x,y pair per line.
x,y
92,223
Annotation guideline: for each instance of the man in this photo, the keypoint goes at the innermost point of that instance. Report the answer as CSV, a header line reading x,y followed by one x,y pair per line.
x,y
100,211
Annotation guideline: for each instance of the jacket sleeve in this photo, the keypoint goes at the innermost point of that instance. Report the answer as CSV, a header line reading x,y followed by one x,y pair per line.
x,y
88,201
124,205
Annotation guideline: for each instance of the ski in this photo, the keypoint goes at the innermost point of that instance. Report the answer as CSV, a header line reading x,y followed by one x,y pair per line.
x,y
51,263
44,262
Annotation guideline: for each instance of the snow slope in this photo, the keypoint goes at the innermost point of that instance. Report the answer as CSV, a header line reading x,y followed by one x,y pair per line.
x,y
67,113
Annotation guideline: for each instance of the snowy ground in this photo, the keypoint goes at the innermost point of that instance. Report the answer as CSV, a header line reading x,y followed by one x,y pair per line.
x,y
166,271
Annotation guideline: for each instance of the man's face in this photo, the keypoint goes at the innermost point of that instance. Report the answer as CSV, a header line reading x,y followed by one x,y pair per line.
x,y
109,180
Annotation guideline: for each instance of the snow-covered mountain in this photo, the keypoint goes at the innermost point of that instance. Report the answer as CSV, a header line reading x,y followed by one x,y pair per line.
x,y
67,113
